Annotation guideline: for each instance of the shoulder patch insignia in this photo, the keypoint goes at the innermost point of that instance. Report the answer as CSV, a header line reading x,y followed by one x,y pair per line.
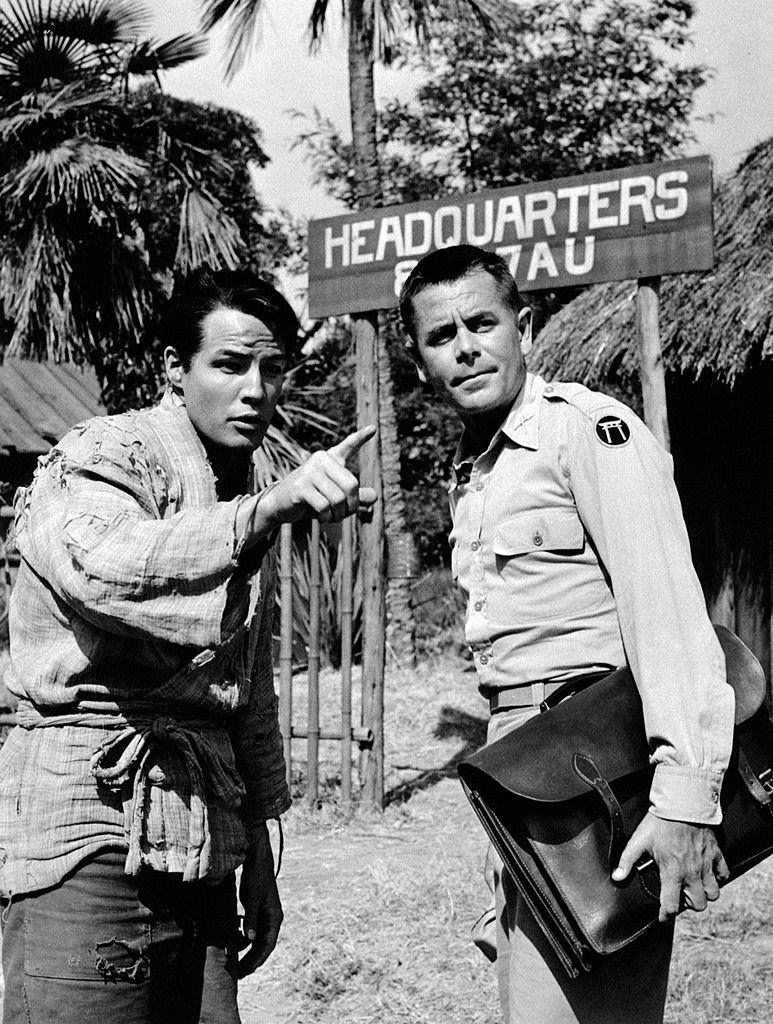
x,y
612,431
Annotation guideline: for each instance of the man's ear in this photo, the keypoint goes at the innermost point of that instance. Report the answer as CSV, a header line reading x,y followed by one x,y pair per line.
x,y
174,367
525,321
413,352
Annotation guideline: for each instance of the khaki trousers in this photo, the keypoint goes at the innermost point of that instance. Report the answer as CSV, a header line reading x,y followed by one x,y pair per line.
x,y
628,987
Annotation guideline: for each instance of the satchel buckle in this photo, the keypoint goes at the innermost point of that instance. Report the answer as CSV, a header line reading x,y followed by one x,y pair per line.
x,y
766,778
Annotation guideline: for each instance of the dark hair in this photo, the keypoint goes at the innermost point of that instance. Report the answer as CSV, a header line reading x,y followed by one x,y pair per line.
x,y
204,290
443,266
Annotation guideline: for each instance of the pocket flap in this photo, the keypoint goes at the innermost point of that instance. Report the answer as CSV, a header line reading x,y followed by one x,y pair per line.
x,y
547,530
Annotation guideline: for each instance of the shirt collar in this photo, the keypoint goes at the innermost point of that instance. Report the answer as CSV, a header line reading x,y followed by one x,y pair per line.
x,y
521,424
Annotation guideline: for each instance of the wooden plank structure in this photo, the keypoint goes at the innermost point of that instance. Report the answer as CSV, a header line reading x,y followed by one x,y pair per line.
x,y
346,734
39,402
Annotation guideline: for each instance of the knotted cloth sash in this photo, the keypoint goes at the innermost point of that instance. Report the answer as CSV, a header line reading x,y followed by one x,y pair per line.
x,y
127,758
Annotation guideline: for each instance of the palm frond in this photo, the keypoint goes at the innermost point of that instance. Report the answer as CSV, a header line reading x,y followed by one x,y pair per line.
x,y
207,234
33,109
318,21
277,456
36,280
97,22
79,172
69,292
243,20
148,57
43,42
291,414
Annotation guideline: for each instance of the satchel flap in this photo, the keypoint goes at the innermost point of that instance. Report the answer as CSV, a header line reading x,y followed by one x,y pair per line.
x,y
556,529
605,723
744,673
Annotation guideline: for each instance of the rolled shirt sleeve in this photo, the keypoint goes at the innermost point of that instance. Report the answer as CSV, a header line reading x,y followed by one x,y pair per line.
x,y
623,485
99,525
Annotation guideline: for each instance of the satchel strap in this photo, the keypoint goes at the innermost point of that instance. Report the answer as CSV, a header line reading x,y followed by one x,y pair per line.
x,y
569,688
762,791
590,774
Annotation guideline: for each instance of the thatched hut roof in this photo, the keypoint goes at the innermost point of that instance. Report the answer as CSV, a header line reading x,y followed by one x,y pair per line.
x,y
716,324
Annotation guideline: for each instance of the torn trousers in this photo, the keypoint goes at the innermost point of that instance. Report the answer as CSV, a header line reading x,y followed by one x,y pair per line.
x,y
106,946
628,987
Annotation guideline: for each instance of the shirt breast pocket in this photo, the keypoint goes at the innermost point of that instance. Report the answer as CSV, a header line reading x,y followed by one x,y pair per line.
x,y
538,562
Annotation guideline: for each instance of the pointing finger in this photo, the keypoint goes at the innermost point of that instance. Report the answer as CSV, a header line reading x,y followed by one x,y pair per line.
x,y
367,497
344,450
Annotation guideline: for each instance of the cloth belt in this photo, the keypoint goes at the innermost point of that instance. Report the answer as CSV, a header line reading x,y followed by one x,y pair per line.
x,y
127,757
544,694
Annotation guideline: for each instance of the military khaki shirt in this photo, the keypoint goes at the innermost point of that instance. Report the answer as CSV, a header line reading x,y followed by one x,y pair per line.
x,y
570,546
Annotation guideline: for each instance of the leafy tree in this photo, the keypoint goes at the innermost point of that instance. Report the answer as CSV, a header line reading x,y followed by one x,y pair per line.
x,y
563,87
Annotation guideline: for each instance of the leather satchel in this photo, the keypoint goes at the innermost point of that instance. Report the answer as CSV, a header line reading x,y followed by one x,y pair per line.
x,y
561,795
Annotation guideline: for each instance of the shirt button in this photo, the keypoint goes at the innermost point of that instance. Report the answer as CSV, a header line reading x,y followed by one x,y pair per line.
x,y
478,605
715,797
537,538
484,659
479,487
475,545
549,389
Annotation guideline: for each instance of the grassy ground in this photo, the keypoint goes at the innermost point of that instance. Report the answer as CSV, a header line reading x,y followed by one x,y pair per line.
x,y
379,909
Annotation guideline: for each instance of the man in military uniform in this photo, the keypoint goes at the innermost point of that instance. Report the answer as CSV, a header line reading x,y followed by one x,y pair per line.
x,y
569,544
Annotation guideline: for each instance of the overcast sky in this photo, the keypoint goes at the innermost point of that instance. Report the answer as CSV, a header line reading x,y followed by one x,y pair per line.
x,y
735,37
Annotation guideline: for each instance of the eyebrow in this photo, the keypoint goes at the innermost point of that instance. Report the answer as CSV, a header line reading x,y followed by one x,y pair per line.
x,y
275,350
439,332
446,328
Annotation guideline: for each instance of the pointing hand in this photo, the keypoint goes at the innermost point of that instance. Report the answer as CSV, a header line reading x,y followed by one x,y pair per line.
x,y
323,487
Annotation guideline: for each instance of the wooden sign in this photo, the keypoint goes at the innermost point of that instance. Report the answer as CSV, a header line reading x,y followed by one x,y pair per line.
x,y
636,222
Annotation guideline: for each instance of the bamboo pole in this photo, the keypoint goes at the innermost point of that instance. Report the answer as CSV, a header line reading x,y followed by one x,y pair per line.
x,y
653,380
347,614
315,588
357,734
286,644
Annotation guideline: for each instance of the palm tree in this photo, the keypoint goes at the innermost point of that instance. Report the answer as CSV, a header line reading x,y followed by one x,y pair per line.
x,y
73,270
372,26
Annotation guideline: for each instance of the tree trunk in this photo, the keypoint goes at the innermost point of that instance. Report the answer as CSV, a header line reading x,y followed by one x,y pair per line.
x,y
372,565
653,379
373,359
401,632
365,329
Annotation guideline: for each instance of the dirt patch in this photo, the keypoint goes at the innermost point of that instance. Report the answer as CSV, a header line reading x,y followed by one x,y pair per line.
x,y
364,900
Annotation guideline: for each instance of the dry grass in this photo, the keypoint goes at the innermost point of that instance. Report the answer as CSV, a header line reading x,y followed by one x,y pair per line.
x,y
723,964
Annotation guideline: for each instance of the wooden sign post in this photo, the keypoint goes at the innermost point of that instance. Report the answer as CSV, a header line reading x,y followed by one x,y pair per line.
x,y
653,379
372,562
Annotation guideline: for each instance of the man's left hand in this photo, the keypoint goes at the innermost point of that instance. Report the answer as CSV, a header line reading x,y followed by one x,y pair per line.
x,y
688,857
262,907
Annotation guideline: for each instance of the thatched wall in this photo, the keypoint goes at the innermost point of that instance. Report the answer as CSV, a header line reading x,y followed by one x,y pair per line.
x,y
717,323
